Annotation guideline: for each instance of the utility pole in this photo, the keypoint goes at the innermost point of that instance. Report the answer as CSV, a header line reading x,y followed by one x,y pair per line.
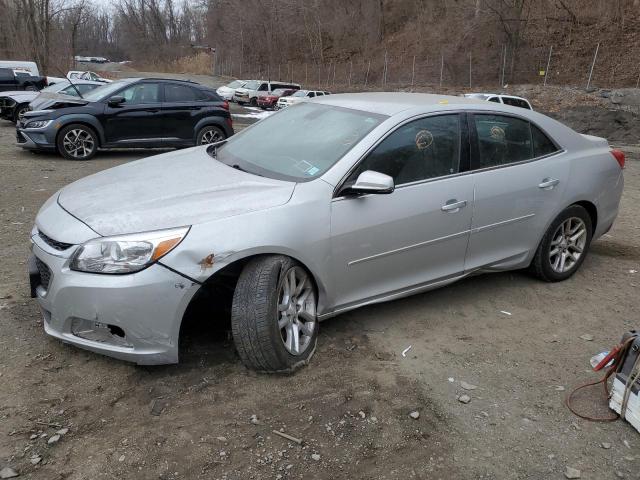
x,y
593,64
546,72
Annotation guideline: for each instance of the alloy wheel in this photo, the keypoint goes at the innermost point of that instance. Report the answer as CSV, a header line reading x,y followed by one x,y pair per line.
x,y
22,111
296,311
210,136
567,244
78,143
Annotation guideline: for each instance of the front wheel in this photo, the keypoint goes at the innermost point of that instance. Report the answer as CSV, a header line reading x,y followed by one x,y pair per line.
x,y
273,317
20,111
253,102
77,142
564,245
210,134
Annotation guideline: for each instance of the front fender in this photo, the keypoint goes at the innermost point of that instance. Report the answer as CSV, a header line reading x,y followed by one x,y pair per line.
x,y
84,118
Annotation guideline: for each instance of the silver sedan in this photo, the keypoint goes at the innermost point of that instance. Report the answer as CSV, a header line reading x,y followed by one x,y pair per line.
x,y
326,206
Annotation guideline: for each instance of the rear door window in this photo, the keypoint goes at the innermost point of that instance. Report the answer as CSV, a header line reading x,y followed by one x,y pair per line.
x,y
515,102
141,93
179,93
501,140
542,145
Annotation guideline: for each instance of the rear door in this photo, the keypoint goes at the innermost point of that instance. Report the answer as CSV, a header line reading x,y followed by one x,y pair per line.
x,y
519,176
138,119
183,106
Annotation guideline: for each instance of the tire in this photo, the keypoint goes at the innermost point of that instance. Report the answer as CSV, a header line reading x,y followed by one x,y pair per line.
x,y
19,111
561,238
253,102
262,327
209,134
83,138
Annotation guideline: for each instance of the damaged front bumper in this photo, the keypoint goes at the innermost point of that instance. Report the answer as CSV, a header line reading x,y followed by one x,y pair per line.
x,y
134,317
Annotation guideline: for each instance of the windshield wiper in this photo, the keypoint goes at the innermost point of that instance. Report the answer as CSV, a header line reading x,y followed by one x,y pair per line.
x,y
213,149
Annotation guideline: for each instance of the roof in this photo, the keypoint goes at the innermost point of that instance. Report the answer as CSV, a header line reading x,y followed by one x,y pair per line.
x,y
391,103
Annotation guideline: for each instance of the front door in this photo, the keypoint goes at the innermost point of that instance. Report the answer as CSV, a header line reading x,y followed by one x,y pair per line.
x,y
386,244
137,120
519,179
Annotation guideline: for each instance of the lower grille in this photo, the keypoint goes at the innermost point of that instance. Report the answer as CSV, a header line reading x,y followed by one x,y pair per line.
x,y
45,273
54,243
20,138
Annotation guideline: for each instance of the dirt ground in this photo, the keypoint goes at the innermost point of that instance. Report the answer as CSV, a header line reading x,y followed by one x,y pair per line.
x,y
351,406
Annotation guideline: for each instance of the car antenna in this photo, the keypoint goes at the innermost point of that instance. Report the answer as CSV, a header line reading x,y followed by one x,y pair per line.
x,y
69,80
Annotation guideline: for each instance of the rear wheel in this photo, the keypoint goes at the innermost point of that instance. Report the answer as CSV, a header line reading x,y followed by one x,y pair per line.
x,y
19,112
77,142
273,317
210,134
564,246
253,102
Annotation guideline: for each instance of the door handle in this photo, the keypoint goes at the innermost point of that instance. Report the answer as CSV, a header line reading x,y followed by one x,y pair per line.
x,y
152,110
549,183
453,206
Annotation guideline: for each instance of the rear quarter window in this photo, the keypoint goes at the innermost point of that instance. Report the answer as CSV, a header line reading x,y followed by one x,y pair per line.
x,y
542,145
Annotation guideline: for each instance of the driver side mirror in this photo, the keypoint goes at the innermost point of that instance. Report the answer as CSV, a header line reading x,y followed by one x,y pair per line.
x,y
117,100
370,182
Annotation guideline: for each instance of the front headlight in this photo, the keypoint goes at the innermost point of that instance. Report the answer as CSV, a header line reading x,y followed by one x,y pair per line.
x,y
38,124
126,253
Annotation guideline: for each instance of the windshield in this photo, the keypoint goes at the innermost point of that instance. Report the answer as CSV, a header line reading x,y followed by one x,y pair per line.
x,y
104,91
300,93
252,85
56,87
235,84
299,143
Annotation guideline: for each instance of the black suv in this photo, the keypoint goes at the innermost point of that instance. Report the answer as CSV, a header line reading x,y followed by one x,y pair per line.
x,y
130,113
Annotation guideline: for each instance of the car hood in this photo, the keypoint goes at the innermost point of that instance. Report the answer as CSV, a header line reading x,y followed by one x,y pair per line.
x,y
54,101
19,95
174,189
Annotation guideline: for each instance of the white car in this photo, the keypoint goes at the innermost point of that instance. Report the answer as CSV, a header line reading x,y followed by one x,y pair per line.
x,y
250,92
505,99
86,75
229,90
299,96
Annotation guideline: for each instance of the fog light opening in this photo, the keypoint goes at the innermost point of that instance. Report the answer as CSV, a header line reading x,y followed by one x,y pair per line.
x,y
99,332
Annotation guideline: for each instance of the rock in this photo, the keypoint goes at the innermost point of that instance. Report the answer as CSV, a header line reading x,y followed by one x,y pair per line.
x,y
559,388
8,472
415,415
54,439
254,419
605,445
619,474
571,472
121,459
467,386
34,436
222,439
587,337
464,399
629,458
626,443
35,459
362,414
315,457
62,431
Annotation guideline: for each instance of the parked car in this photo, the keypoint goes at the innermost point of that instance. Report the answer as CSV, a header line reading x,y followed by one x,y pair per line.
x,y
138,112
269,100
13,105
228,91
250,91
505,99
299,96
335,203
86,75
12,80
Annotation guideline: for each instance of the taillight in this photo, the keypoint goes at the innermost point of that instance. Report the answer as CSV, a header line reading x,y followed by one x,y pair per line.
x,y
225,105
619,156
